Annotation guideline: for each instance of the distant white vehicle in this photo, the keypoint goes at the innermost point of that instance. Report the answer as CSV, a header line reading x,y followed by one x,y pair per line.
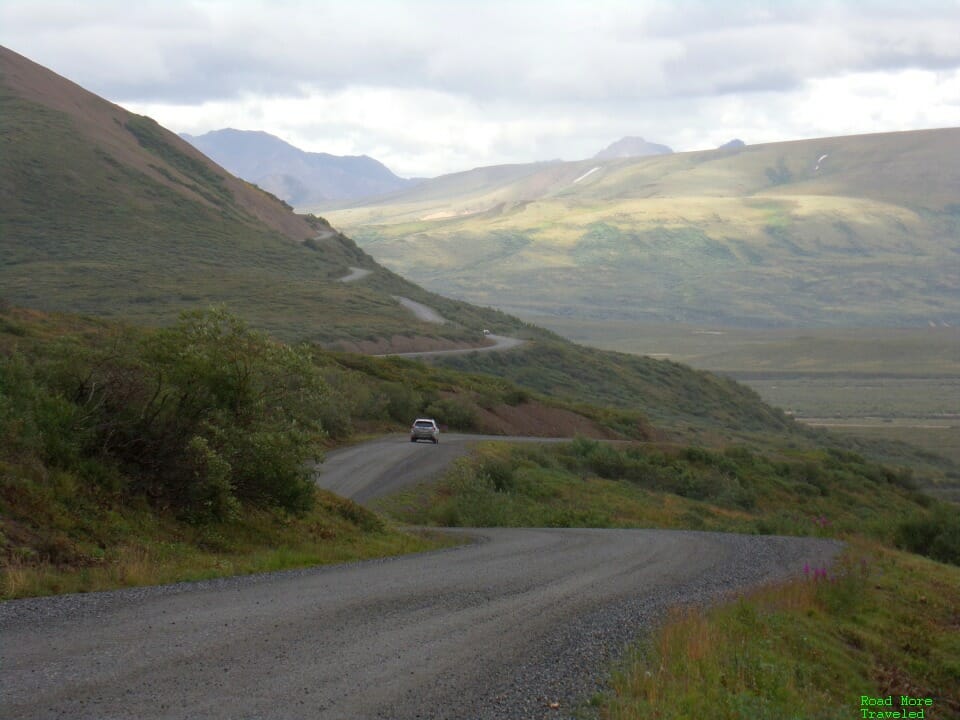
x,y
486,332
425,429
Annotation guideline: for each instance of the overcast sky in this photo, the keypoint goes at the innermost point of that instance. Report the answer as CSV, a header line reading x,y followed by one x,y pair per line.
x,y
431,86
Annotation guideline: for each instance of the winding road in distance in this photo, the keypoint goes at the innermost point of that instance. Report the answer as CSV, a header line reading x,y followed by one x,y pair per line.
x,y
502,627
425,313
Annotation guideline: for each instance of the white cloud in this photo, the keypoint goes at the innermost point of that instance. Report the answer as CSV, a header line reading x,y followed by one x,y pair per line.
x,y
430,86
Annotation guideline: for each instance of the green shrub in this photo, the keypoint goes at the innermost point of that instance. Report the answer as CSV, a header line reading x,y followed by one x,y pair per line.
x,y
936,535
401,402
498,471
198,417
452,413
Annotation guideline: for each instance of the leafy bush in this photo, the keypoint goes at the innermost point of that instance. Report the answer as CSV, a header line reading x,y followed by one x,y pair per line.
x,y
452,413
936,535
198,417
401,402
499,471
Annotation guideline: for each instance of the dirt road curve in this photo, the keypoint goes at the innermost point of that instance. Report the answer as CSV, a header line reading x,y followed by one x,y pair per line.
x,y
388,464
500,628
421,311
496,629
354,275
499,344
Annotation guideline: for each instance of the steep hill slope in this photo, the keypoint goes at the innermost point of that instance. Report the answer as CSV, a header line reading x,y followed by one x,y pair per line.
x,y
848,230
105,212
300,178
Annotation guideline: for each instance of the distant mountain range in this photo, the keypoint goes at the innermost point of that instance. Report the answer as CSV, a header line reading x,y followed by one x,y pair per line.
x,y
631,147
302,179
862,230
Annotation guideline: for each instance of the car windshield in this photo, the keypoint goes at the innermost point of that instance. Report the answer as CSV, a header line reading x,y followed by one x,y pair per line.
x,y
423,423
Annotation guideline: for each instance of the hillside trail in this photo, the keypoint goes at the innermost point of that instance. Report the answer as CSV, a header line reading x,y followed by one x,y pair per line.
x,y
425,313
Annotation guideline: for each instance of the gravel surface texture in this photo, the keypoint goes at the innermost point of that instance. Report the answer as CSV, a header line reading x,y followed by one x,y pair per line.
x,y
391,463
500,628
497,629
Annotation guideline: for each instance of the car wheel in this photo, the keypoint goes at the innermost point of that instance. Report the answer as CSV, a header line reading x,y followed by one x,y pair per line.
x,y
436,441
413,439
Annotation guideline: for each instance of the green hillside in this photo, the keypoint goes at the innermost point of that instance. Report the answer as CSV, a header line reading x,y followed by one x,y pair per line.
x,y
860,230
107,213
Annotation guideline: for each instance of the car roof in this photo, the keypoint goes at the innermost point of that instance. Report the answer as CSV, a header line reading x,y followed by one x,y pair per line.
x,y
425,420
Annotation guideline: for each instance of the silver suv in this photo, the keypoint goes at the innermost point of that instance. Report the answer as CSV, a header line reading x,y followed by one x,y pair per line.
x,y
425,429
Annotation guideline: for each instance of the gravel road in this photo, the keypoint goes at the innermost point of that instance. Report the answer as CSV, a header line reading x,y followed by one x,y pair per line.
x,y
496,629
421,311
499,344
355,274
384,466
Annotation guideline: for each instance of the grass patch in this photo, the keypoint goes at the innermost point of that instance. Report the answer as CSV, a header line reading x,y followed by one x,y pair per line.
x,y
592,484
879,624
667,393
88,542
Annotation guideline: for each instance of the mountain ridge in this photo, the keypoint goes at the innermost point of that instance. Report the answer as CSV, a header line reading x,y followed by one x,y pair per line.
x,y
857,230
104,213
632,146
298,177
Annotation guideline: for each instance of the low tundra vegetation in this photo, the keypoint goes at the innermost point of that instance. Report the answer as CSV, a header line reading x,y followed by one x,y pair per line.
x,y
131,458
588,483
130,455
880,624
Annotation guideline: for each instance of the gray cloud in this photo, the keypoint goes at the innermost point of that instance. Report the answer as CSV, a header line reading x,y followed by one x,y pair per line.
x,y
472,82
185,52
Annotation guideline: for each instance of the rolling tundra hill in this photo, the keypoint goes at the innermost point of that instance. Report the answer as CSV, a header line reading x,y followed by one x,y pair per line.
x,y
107,213
858,230
300,178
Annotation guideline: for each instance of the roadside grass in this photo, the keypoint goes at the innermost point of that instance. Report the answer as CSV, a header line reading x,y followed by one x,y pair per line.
x,y
879,623
671,395
87,542
587,483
